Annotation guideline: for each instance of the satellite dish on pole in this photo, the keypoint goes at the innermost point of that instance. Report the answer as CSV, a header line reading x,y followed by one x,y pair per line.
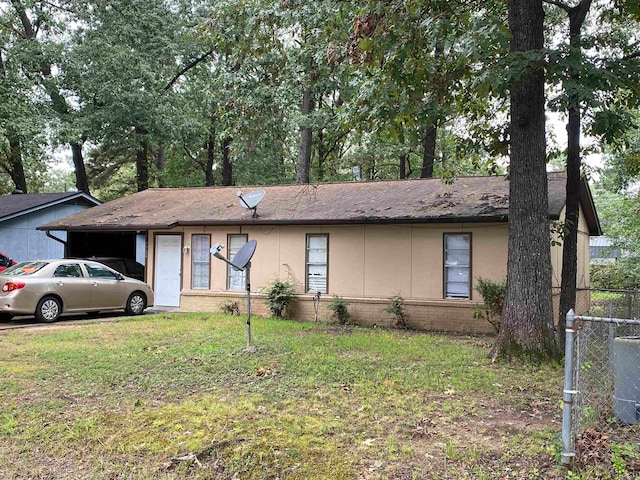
x,y
251,200
241,261
243,257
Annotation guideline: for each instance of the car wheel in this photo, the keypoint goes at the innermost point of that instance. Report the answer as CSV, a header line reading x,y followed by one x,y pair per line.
x,y
136,303
48,309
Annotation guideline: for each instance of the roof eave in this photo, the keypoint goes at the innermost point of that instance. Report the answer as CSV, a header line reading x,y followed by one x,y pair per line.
x,y
103,227
73,196
589,209
259,221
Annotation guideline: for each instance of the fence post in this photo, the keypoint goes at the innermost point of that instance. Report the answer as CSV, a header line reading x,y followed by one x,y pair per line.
x,y
568,392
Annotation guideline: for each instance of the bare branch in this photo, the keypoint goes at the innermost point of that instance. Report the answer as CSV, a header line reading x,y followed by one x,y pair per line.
x,y
10,27
29,33
189,154
558,4
336,142
187,68
631,56
59,7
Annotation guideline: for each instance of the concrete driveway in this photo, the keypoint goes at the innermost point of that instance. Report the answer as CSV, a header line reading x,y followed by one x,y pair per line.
x,y
66,319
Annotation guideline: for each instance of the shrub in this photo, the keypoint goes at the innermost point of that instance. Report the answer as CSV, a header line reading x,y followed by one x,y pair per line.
x,y
396,308
493,295
279,295
613,276
340,310
230,307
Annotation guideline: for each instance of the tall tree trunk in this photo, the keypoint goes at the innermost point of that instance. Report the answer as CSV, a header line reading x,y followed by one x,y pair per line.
x,y
82,182
403,166
431,130
209,181
527,321
304,159
142,160
568,281
211,155
227,166
321,154
58,101
428,150
15,167
160,164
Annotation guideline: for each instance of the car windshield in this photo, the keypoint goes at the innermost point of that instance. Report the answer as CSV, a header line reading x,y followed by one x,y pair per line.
x,y
24,268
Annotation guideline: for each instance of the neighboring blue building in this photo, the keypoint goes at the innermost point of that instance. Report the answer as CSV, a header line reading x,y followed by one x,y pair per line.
x,y
604,250
21,213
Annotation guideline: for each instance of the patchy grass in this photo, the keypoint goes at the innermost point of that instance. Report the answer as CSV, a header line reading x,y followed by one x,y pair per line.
x,y
177,396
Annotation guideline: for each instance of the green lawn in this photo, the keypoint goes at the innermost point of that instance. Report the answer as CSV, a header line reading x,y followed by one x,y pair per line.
x,y
179,396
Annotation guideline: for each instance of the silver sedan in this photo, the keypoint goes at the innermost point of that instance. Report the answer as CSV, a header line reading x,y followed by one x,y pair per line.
x,y
48,288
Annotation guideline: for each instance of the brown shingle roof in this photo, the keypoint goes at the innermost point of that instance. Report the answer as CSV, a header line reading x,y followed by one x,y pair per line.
x,y
468,199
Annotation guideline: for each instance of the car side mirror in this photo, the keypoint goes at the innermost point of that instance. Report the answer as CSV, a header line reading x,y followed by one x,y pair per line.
x,y
120,276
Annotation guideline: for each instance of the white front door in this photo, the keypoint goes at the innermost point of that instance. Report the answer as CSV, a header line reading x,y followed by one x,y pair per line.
x,y
168,270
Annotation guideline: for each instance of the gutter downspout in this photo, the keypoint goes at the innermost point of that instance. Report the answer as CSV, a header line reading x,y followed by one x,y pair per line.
x,y
50,235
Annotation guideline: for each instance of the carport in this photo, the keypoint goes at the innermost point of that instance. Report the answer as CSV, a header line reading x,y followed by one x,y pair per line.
x,y
102,244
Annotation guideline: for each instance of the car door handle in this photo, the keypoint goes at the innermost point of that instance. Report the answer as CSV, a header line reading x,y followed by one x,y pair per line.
x,y
95,284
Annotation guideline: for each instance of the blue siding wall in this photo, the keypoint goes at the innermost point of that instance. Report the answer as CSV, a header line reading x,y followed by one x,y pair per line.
x,y
20,240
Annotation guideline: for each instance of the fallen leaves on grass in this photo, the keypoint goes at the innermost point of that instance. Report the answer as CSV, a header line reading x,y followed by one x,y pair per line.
x,y
593,448
202,455
424,428
263,372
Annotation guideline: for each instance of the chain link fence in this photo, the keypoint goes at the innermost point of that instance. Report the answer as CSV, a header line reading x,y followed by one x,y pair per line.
x,y
609,303
601,421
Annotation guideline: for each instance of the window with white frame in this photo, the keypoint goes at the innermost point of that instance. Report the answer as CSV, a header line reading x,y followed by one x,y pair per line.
x,y
200,258
235,278
317,263
457,265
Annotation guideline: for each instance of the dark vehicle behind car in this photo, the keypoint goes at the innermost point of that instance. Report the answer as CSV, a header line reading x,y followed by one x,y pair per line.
x,y
125,266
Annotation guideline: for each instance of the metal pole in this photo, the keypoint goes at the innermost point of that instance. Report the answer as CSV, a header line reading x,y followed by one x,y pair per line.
x,y
248,270
568,392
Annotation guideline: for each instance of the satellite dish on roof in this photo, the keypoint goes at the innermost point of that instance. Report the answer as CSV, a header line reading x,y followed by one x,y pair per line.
x,y
251,200
243,257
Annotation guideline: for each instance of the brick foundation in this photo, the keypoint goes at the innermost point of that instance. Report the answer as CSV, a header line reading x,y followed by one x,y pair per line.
x,y
428,315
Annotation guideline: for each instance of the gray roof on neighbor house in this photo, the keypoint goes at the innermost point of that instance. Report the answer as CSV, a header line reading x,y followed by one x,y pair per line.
x,y
468,199
18,204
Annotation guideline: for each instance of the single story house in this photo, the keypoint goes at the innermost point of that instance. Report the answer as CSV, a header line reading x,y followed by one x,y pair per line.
x,y
21,213
363,241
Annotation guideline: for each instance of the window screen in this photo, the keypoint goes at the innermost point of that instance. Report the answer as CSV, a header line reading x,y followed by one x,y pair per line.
x,y
200,258
235,278
457,265
317,263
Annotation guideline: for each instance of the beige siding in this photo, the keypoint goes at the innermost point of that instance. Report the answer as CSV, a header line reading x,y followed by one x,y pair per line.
x,y
367,265
387,261
347,261
582,274
427,262
583,255
490,245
